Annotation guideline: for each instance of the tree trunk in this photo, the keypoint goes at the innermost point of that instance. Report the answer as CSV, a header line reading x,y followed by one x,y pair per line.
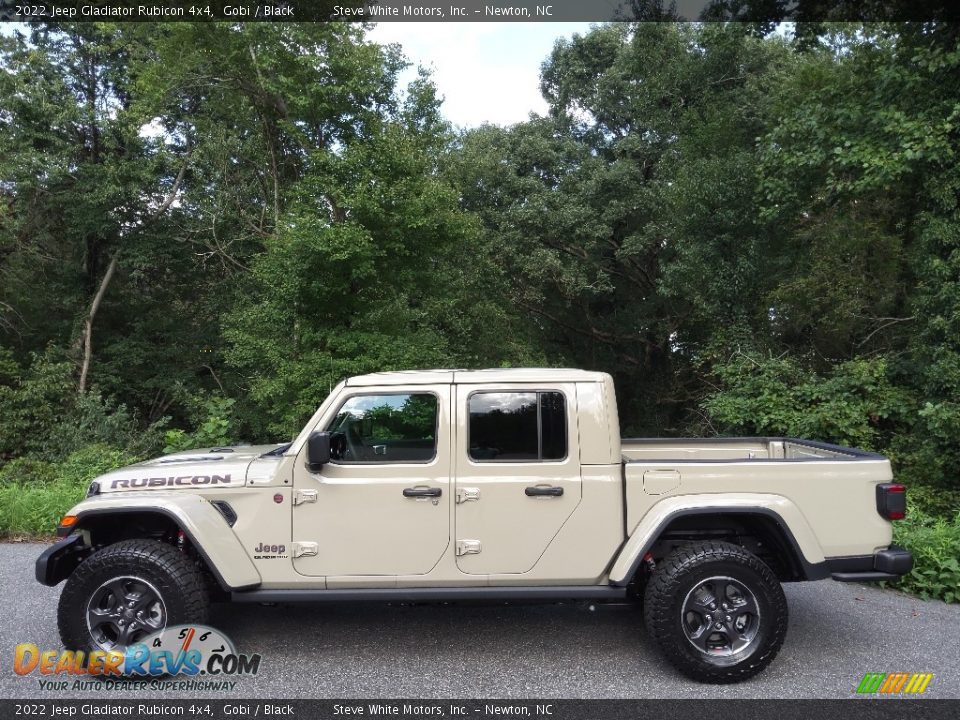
x,y
88,323
87,335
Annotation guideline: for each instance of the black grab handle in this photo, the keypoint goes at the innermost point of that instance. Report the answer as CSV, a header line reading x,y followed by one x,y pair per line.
x,y
549,491
422,492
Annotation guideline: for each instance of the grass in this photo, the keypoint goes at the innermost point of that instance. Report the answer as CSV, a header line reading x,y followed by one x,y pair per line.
x,y
35,494
35,511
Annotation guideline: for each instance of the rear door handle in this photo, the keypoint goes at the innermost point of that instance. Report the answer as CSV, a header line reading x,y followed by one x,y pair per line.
x,y
416,492
537,490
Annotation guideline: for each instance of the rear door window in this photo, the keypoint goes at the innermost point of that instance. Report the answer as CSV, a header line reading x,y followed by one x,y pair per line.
x,y
517,426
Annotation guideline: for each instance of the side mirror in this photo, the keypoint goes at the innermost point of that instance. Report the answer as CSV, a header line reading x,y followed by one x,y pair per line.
x,y
318,451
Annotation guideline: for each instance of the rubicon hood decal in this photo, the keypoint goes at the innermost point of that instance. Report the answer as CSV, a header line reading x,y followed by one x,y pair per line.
x,y
219,467
138,483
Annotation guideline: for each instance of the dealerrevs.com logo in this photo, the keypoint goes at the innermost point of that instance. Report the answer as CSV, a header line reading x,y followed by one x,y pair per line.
x,y
180,657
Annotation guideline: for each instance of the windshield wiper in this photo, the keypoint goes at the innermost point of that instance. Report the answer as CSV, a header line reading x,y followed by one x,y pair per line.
x,y
278,450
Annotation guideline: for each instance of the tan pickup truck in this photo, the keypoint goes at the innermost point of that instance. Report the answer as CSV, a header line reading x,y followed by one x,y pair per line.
x,y
446,485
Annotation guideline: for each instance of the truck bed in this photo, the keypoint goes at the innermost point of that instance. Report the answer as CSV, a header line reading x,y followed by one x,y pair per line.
x,y
826,491
734,449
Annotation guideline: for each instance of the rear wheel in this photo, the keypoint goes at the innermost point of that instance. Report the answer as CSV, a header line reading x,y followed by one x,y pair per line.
x,y
127,591
716,611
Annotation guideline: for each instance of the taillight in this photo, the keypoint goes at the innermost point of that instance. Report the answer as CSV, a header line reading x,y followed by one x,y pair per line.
x,y
892,501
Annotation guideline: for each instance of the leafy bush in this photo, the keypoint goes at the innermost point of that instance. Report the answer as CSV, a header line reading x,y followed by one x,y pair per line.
x,y
936,502
44,417
935,543
31,400
34,494
215,427
854,403
87,463
93,419
27,470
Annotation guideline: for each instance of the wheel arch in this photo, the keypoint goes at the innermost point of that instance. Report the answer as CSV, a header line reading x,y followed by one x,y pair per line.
x,y
109,521
791,557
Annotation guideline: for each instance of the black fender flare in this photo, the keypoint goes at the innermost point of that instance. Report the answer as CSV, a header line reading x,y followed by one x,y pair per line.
x,y
60,559
807,570
58,567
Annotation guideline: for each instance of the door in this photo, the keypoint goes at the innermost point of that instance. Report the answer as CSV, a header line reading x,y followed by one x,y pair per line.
x,y
381,505
517,474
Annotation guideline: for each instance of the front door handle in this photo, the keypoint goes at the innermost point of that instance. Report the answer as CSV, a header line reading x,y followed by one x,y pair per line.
x,y
418,492
538,490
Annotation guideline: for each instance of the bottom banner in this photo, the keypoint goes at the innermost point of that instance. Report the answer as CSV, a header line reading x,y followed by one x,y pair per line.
x,y
873,709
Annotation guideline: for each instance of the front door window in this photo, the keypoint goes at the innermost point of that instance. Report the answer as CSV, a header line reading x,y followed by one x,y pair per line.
x,y
385,428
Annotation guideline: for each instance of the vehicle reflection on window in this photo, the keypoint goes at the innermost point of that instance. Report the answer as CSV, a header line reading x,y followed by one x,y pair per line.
x,y
388,428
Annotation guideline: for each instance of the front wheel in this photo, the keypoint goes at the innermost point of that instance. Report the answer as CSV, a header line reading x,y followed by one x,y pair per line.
x,y
127,591
716,611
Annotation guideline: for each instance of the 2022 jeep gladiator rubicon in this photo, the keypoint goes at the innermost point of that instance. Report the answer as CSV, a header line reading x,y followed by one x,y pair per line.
x,y
448,485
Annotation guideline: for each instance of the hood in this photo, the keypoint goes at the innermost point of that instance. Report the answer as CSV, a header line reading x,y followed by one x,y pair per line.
x,y
208,467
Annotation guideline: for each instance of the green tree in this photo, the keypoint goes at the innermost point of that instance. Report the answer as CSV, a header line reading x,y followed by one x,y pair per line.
x,y
365,273
624,218
89,194
860,171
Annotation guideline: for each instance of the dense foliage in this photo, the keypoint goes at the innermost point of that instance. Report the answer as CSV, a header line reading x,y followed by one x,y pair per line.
x,y
205,227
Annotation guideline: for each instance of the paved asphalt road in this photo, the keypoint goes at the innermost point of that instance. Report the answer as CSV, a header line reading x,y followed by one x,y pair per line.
x,y
837,633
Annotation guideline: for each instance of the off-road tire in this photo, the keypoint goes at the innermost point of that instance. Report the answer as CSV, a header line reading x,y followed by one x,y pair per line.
x,y
685,570
176,578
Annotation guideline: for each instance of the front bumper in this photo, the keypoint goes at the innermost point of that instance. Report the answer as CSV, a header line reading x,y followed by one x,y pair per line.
x,y
60,559
888,564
